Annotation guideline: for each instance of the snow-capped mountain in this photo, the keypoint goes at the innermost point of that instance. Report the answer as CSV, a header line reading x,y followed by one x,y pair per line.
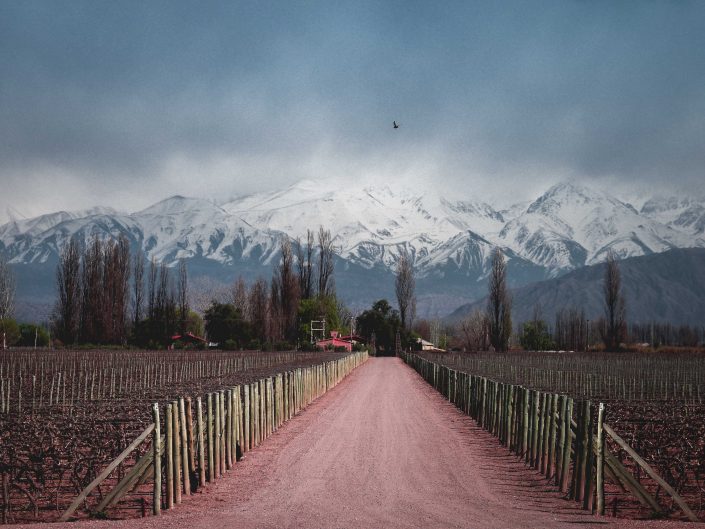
x,y
370,225
685,214
449,239
570,226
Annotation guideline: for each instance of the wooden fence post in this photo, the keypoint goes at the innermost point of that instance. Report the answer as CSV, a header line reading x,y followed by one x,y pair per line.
x,y
568,441
211,443
169,442
551,465
191,441
157,462
183,441
588,486
201,446
216,434
246,418
222,432
177,451
600,476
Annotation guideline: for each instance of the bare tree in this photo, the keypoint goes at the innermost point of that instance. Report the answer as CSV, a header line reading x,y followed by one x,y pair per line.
x,y
285,292
326,284
304,262
152,289
615,310
7,290
259,309
138,288
165,320
570,331
474,331
275,329
92,302
499,304
68,281
240,298
405,286
116,277
183,296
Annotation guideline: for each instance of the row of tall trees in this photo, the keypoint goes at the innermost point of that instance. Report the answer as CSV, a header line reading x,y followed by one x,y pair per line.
x,y
302,289
95,293
493,327
9,330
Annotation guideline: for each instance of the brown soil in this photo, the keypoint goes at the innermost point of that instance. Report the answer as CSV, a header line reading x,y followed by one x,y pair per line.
x,y
380,450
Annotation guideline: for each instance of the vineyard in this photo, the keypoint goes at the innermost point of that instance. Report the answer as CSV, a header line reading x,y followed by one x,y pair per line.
x,y
64,416
654,402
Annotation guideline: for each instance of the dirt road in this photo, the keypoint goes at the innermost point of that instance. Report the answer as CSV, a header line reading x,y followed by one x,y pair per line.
x,y
381,450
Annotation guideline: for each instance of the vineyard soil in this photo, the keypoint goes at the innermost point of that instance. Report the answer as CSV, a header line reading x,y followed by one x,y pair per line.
x,y
381,449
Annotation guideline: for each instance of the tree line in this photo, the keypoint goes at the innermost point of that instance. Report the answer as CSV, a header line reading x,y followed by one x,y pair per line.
x,y
571,329
278,313
97,303
106,296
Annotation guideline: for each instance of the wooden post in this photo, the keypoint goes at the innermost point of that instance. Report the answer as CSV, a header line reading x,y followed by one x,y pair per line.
x,y
177,451
157,462
221,411
185,459
525,424
541,401
169,442
217,433
534,426
246,418
561,440
255,415
211,447
576,483
105,473
567,446
547,414
201,446
189,434
588,488
228,429
600,471
652,473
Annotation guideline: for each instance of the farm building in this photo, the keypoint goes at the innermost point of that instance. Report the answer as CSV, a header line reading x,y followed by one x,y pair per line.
x,y
424,345
188,338
335,341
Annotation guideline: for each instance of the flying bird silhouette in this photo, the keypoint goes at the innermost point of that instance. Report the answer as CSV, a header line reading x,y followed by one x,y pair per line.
x,y
395,125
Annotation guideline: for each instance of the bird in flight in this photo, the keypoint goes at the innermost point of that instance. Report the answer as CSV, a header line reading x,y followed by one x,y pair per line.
x,y
395,125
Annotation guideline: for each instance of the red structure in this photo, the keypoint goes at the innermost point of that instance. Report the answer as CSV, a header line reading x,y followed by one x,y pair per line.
x,y
335,341
188,338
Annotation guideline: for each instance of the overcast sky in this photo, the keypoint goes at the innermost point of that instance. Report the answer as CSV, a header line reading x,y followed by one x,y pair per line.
x,y
123,104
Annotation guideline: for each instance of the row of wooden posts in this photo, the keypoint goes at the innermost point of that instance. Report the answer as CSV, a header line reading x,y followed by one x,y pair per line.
x,y
196,441
540,428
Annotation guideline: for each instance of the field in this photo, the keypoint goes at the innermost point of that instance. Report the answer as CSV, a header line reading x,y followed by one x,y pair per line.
x,y
65,415
655,402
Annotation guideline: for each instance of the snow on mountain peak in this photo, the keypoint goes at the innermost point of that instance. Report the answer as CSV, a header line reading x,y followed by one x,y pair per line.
x,y
566,227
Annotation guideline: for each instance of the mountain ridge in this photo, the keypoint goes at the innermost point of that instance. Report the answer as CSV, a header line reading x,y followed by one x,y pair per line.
x,y
663,287
449,240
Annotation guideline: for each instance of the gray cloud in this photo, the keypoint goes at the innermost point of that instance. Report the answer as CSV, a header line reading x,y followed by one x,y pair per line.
x,y
124,103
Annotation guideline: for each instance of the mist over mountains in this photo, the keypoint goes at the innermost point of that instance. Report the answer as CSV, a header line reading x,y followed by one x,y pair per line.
x,y
450,240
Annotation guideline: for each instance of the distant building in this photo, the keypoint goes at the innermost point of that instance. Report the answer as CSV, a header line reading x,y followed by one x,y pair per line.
x,y
423,345
336,341
188,338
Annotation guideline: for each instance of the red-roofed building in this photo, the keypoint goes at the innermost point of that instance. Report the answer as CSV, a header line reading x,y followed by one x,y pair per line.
x,y
188,338
335,341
